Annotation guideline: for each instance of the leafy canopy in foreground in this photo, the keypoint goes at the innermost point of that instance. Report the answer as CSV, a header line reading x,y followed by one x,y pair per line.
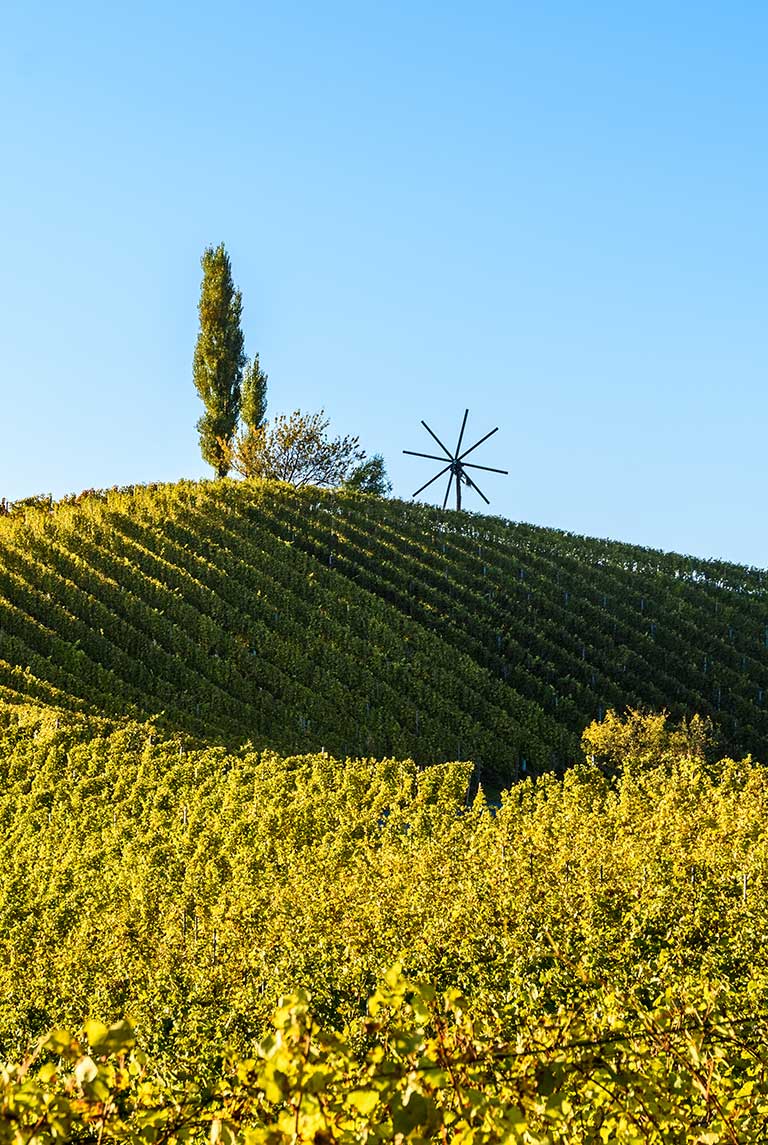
x,y
419,1067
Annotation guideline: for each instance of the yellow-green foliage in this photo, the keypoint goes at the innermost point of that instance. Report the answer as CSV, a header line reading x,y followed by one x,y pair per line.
x,y
638,739
420,1066
188,888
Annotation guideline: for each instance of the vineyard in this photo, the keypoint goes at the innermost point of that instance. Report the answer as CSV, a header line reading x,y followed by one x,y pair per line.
x,y
587,959
364,756
298,619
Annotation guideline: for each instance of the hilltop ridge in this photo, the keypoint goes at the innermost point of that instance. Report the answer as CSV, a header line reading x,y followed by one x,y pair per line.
x,y
301,619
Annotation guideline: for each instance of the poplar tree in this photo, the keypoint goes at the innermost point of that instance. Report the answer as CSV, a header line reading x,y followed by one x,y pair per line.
x,y
253,407
219,358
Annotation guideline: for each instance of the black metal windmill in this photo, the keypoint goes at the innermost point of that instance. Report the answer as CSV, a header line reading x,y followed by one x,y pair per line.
x,y
456,464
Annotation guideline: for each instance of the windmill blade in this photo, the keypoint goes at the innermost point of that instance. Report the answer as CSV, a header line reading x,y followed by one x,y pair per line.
x,y
431,456
487,468
461,435
477,488
440,474
437,439
480,442
455,463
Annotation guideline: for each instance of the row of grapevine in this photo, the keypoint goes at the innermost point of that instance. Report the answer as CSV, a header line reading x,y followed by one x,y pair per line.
x,y
169,605
419,1065
595,635
306,618
189,886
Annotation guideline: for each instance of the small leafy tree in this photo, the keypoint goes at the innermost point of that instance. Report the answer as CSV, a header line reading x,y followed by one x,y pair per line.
x,y
370,476
219,358
637,740
294,448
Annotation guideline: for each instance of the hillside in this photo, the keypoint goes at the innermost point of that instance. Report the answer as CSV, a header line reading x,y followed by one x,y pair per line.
x,y
299,620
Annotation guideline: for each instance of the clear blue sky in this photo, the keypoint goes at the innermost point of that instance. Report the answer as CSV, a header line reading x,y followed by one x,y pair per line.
x,y
554,213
